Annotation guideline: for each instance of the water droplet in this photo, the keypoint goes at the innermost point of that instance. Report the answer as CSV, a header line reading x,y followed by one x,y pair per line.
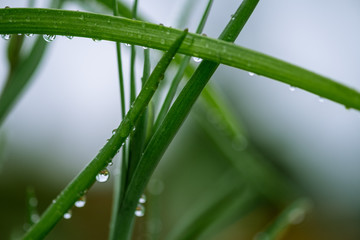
x,y
162,41
142,199
80,202
127,44
7,7
140,210
103,175
68,214
111,163
113,131
160,24
69,37
96,40
296,216
49,38
251,74
6,36
321,100
292,88
145,47
232,16
29,34
53,201
204,35
196,59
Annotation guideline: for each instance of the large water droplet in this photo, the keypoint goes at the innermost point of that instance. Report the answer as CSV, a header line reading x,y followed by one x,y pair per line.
x,y
103,175
292,88
113,131
251,74
80,202
140,210
197,59
49,38
68,214
6,36
29,34
142,199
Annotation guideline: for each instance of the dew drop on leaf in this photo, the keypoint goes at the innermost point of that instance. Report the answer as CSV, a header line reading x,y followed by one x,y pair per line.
x,y
68,214
49,38
103,175
5,36
292,88
142,199
29,34
80,202
251,74
140,210
69,37
196,59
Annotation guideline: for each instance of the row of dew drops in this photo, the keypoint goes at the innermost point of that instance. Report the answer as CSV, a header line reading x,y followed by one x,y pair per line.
x,y
49,38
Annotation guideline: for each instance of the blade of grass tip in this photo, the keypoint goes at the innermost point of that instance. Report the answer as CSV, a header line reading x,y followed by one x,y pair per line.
x,y
293,214
86,177
180,73
157,73
120,179
20,78
172,122
90,25
211,208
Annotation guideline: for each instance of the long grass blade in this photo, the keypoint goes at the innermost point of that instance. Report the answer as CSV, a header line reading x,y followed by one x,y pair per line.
x,y
81,24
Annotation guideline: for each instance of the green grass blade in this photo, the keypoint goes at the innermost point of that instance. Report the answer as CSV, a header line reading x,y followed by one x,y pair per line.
x,y
87,176
21,77
180,73
172,122
293,214
81,24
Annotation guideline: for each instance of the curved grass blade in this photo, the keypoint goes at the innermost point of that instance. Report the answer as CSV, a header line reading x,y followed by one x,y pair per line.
x,y
172,122
81,24
86,178
293,214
